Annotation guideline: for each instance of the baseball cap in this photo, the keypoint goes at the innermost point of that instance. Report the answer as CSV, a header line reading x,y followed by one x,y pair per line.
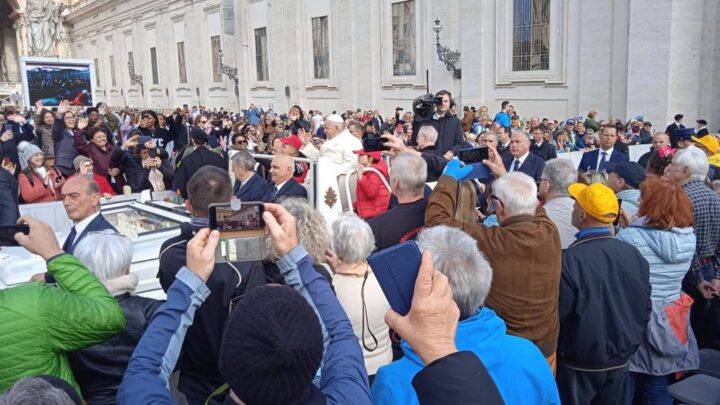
x,y
709,142
292,140
597,199
199,135
570,122
375,155
633,173
684,133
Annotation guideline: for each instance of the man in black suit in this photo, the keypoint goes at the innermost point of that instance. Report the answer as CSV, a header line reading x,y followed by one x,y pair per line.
x,y
201,156
521,159
540,146
503,145
701,128
249,186
9,213
670,130
282,183
598,158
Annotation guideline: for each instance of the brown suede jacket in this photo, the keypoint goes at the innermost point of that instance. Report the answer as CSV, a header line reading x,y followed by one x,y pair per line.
x,y
525,255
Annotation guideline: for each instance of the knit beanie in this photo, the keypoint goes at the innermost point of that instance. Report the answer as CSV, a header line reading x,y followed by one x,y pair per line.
x,y
272,346
27,150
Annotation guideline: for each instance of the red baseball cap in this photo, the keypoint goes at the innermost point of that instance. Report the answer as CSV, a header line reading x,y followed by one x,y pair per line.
x,y
375,155
292,140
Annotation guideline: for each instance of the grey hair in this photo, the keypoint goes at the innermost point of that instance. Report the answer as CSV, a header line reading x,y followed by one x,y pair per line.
x,y
353,240
593,176
517,192
456,255
429,132
695,160
243,159
33,390
497,137
560,174
105,253
312,231
410,171
521,132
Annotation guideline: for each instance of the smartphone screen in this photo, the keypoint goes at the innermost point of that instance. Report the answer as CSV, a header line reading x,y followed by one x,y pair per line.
x,y
476,155
373,144
8,127
7,234
248,217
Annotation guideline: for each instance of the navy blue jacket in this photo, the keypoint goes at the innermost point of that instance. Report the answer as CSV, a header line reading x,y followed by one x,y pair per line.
x,y
9,213
9,149
252,190
589,160
288,190
604,303
97,224
532,166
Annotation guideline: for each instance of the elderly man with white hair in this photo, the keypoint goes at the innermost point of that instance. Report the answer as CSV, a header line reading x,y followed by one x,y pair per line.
x,y
408,174
358,290
557,176
516,365
524,251
690,167
338,147
99,369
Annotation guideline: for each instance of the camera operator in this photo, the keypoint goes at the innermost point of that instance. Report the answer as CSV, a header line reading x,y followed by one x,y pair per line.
x,y
450,134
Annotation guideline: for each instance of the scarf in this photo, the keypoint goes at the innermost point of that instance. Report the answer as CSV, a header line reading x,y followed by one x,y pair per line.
x,y
121,285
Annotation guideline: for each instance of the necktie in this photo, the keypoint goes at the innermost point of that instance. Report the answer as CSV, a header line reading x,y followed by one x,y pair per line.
x,y
70,240
603,160
516,166
274,193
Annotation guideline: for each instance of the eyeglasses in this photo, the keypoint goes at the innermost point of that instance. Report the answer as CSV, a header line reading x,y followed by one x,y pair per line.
x,y
240,142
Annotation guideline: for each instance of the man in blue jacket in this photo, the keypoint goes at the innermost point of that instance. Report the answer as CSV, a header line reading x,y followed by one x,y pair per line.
x,y
344,378
519,370
9,212
604,303
249,186
596,160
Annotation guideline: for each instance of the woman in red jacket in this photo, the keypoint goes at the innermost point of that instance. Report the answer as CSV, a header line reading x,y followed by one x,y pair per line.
x,y
37,184
373,197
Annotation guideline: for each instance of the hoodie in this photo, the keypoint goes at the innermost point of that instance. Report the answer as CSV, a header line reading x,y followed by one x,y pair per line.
x,y
668,252
373,197
519,370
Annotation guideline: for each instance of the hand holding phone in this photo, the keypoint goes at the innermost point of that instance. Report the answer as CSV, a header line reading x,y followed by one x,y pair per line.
x,y
374,144
8,232
475,155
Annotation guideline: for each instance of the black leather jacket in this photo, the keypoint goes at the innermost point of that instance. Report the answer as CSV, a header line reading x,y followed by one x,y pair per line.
x,y
99,369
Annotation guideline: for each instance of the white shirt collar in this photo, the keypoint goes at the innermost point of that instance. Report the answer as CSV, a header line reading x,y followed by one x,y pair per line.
x,y
278,187
521,159
80,226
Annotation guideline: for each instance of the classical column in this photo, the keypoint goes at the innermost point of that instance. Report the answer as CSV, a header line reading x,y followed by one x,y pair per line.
x,y
21,34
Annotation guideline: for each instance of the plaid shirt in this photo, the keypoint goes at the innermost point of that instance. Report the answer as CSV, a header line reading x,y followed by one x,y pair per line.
x,y
706,218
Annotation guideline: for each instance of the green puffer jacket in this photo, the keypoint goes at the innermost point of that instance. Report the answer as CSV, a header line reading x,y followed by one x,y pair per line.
x,y
39,323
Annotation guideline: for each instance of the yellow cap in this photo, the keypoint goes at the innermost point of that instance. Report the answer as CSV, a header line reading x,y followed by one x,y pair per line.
x,y
709,142
597,199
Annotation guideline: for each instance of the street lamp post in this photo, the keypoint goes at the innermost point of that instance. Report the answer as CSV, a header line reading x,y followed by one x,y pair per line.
x,y
449,57
231,72
135,79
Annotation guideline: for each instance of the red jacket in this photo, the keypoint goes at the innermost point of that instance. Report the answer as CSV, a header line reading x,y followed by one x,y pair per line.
x,y
38,192
373,197
102,183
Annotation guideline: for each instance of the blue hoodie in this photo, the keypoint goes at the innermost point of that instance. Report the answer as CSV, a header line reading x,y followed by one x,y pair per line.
x,y
517,367
668,252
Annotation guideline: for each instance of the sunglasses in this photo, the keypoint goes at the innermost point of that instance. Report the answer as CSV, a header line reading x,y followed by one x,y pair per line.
x,y
240,142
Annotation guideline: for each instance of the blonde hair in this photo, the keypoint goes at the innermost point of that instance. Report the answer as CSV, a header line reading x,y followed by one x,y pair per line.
x,y
312,231
466,202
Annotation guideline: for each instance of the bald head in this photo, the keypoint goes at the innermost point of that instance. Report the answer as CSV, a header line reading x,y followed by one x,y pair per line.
x,y
281,169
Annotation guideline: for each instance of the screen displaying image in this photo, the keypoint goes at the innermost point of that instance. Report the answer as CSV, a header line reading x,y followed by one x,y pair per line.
x,y
248,217
54,82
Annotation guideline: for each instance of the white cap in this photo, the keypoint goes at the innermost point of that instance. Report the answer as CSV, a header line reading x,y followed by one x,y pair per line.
x,y
335,118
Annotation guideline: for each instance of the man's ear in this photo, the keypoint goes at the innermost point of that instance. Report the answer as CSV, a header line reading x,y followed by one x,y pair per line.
x,y
189,207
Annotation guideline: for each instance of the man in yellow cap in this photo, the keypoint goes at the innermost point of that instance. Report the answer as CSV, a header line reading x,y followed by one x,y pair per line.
x,y
710,145
604,303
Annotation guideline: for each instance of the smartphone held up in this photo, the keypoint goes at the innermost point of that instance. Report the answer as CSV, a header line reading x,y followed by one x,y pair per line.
x,y
242,231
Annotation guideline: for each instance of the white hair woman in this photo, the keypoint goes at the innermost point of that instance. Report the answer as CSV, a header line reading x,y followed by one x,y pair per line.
x,y
358,290
99,369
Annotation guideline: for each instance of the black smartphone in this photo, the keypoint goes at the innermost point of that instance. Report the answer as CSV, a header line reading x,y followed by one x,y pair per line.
x,y
475,155
373,144
617,219
8,127
7,234
152,152
247,218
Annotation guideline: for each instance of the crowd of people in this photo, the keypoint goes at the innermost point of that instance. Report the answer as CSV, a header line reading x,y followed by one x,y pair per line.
x,y
541,281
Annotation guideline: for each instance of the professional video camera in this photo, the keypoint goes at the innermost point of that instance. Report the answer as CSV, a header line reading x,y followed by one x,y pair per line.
x,y
424,107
